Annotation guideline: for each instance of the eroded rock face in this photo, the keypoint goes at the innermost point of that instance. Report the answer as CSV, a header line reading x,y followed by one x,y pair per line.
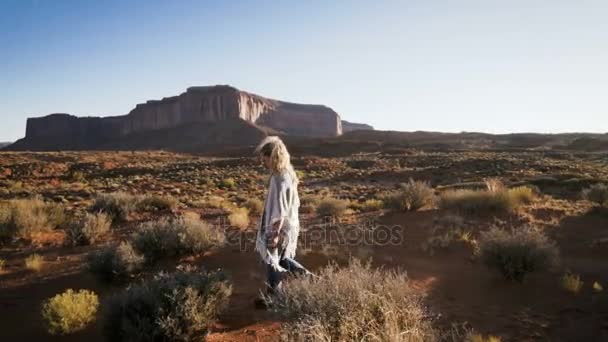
x,y
351,126
198,105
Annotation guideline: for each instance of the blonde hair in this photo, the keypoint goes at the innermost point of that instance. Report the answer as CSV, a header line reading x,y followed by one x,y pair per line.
x,y
274,148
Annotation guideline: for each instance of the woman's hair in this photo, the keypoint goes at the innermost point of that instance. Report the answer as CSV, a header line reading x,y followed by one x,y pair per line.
x,y
274,148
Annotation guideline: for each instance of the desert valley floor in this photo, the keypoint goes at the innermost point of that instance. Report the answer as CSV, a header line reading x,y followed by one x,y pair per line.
x,y
437,244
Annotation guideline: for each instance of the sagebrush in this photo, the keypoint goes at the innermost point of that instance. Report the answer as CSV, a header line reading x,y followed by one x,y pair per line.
x,y
70,311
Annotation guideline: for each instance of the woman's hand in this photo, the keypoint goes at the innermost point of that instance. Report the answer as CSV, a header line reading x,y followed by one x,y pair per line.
x,y
272,237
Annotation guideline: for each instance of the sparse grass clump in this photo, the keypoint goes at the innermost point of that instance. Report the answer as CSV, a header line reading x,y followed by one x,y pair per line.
x,y
239,217
517,252
255,206
352,304
34,262
24,217
371,205
117,205
116,262
597,194
175,237
484,201
413,196
70,311
170,307
332,207
157,203
572,283
309,203
90,229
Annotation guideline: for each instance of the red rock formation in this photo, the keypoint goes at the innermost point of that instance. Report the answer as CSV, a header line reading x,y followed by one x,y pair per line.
x,y
197,106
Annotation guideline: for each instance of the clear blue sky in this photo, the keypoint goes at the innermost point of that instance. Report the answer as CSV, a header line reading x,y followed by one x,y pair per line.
x,y
487,65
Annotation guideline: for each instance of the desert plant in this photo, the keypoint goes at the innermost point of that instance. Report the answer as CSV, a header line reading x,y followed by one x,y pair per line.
x,y
24,217
480,338
356,303
597,194
157,203
371,205
254,205
34,262
70,311
239,217
89,229
572,283
309,203
169,307
412,196
332,207
494,185
117,205
483,201
517,252
174,237
2,264
115,262
227,183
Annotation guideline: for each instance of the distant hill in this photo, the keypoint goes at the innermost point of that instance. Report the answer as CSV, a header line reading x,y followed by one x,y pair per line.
x,y
3,144
202,118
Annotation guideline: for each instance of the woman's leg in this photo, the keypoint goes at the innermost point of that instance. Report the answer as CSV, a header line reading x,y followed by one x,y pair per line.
x,y
292,266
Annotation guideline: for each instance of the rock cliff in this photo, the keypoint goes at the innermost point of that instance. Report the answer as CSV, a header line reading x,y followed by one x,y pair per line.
x,y
351,126
220,107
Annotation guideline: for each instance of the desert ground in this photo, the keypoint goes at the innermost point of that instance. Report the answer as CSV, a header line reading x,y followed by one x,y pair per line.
x,y
436,237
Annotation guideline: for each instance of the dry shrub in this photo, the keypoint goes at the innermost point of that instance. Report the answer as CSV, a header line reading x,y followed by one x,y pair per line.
x,y
309,203
2,264
597,194
413,195
239,217
332,207
480,338
517,252
227,183
70,311
24,217
356,303
494,185
117,205
34,262
90,229
175,237
572,283
170,307
115,262
483,201
371,205
255,206
157,203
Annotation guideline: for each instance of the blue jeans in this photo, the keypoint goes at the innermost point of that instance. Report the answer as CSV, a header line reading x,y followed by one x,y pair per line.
x,y
275,277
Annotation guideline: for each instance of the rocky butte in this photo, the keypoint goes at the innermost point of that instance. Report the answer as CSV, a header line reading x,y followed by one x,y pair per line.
x,y
200,118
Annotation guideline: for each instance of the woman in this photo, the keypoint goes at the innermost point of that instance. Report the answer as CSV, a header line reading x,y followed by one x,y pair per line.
x,y
277,237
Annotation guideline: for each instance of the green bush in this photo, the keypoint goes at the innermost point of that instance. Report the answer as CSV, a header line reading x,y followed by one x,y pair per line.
x,y
117,205
597,194
90,229
517,252
70,311
24,217
171,307
175,237
157,203
115,262
228,183
356,303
